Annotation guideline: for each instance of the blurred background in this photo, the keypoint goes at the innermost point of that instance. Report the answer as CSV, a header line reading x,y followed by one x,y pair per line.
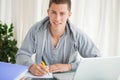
x,y
99,19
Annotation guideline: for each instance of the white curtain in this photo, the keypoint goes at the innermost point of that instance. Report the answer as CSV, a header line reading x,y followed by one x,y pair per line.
x,y
100,19
23,13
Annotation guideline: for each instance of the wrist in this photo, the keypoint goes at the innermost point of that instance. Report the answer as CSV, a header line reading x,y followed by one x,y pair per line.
x,y
69,67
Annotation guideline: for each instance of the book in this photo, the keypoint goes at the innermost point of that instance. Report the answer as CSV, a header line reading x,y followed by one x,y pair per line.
x,y
10,71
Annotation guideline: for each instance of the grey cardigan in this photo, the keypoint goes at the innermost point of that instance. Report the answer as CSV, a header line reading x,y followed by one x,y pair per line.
x,y
77,42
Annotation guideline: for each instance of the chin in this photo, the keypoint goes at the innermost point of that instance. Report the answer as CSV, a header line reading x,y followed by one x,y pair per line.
x,y
57,26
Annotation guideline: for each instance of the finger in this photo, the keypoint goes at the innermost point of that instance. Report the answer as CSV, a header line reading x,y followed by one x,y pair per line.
x,y
44,68
36,70
55,69
41,70
37,73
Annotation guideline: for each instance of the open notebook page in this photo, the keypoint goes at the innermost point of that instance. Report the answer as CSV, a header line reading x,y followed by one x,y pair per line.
x,y
49,75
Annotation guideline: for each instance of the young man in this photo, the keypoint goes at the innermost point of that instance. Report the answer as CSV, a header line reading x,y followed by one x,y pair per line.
x,y
56,41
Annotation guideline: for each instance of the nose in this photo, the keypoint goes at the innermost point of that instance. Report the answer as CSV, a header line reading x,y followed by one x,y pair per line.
x,y
57,17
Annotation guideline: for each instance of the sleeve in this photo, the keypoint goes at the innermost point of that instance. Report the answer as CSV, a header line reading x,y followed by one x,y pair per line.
x,y
83,47
74,60
27,49
86,47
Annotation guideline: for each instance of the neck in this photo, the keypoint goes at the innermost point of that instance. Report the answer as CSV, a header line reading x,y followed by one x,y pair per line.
x,y
56,33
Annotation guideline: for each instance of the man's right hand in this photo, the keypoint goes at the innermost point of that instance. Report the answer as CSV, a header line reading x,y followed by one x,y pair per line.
x,y
38,69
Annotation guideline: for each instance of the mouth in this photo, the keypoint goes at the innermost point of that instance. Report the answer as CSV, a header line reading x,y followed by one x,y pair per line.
x,y
56,23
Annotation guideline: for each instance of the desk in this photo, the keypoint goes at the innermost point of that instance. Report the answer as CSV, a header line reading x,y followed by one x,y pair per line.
x,y
61,76
64,76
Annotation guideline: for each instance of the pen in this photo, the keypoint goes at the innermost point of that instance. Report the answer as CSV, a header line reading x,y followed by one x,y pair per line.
x,y
43,63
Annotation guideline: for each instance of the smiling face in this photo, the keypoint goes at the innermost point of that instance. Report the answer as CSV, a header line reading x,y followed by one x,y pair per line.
x,y
58,14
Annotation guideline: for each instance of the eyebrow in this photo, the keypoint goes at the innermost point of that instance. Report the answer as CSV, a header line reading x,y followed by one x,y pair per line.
x,y
55,11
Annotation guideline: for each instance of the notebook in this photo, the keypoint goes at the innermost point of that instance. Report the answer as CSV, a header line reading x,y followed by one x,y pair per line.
x,y
10,71
50,75
102,68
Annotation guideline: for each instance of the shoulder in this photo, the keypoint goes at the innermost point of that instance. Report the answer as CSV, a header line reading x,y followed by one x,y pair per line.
x,y
75,31
77,34
40,25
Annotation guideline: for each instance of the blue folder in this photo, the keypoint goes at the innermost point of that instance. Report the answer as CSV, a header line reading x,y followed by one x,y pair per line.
x,y
10,71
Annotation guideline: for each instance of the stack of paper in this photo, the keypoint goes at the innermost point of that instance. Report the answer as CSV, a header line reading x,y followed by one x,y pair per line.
x,y
10,71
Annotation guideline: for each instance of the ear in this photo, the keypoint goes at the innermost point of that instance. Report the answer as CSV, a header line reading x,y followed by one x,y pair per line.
x,y
70,13
48,11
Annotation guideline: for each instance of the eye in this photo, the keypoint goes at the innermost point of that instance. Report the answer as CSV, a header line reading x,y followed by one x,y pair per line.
x,y
62,13
53,12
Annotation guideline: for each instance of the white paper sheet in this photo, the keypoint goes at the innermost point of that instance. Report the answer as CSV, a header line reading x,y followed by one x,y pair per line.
x,y
49,75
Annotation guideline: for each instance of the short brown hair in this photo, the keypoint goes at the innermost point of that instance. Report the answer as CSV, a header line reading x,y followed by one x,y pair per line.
x,y
61,2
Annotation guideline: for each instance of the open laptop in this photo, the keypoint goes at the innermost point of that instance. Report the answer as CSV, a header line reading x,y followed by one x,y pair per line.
x,y
102,68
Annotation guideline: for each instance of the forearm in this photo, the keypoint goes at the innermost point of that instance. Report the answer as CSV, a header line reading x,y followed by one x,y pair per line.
x,y
24,60
74,60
